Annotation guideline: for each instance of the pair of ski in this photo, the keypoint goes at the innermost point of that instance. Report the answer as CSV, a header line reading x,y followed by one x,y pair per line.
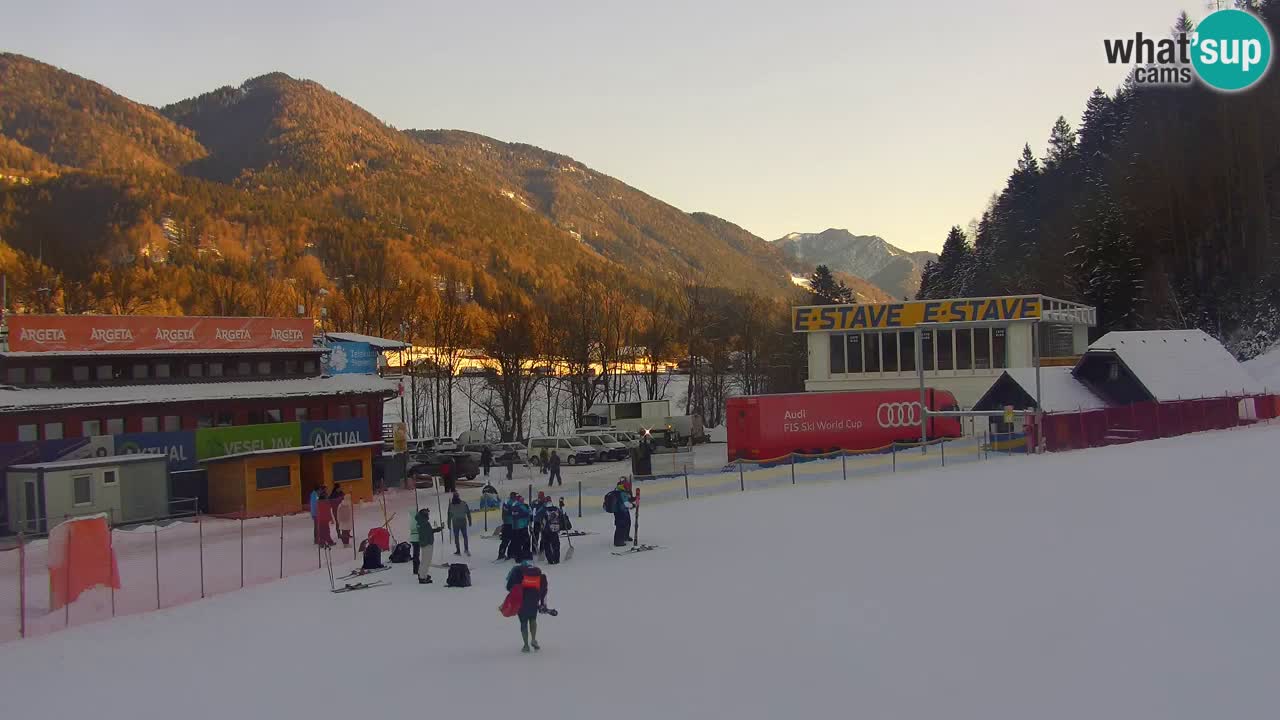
x,y
359,586
360,573
636,549
348,587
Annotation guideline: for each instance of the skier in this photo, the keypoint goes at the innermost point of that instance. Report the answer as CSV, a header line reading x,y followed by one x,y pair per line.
x,y
535,509
486,459
520,543
551,525
427,539
459,517
542,455
322,515
534,597
489,497
446,475
508,532
619,502
555,469
415,541
342,517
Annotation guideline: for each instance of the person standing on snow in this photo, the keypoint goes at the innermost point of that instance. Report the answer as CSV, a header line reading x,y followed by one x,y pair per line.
x,y
415,541
542,455
555,469
521,515
535,509
534,597
619,502
486,459
459,517
510,462
508,532
551,526
427,539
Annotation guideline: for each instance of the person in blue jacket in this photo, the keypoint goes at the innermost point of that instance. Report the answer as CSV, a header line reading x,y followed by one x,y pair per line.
x,y
521,516
619,501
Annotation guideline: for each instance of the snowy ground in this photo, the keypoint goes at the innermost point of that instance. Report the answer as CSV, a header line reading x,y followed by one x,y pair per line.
x,y
1126,582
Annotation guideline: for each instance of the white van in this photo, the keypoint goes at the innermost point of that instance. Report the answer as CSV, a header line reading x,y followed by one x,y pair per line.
x,y
573,450
606,446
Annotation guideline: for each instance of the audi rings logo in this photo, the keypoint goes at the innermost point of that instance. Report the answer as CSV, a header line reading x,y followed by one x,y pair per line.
x,y
899,414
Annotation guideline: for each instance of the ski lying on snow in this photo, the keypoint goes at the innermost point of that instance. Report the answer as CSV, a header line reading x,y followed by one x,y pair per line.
x,y
639,549
575,533
359,586
358,573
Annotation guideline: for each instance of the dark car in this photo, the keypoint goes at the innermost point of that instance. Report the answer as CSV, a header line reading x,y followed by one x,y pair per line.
x,y
426,467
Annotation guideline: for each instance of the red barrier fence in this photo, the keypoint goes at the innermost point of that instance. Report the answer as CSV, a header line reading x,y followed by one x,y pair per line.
x,y
1151,420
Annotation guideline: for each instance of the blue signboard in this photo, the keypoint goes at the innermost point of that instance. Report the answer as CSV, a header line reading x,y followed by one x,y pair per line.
x,y
351,358
328,433
179,447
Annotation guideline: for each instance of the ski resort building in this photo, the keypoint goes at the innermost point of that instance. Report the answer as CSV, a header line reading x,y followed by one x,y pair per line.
x,y
193,389
966,344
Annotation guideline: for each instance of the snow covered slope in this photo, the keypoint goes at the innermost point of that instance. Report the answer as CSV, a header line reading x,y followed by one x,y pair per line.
x,y
1266,368
1127,582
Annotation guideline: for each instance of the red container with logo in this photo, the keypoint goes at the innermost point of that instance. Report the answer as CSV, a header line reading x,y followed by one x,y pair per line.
x,y
762,427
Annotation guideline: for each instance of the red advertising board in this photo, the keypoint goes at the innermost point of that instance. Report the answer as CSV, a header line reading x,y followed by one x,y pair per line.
x,y
62,333
762,427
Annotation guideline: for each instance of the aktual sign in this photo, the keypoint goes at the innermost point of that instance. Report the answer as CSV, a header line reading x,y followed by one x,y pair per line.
x,y
330,433
825,318
179,447
220,441
51,333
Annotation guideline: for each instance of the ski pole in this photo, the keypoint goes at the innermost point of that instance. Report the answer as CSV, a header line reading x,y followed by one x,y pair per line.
x,y
635,540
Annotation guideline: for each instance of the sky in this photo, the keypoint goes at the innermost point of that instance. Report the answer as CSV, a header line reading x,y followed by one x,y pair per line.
x,y
894,119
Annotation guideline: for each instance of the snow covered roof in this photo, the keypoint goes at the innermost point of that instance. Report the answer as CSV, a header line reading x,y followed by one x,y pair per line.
x,y
377,342
17,400
92,462
1177,364
1265,368
1060,391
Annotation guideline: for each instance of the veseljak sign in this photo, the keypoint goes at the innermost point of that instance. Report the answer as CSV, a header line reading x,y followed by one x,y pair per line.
x,y
62,333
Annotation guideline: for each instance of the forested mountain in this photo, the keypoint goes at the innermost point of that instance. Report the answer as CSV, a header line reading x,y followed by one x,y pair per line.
x,y
278,194
1162,208
870,257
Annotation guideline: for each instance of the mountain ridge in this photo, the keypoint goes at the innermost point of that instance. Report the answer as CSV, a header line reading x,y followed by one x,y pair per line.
x,y
871,257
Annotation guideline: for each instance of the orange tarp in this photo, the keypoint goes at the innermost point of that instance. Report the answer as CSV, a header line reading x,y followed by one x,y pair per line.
x,y
80,558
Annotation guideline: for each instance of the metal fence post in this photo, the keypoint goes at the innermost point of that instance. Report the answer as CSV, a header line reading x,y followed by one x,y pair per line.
x,y
111,551
155,533
943,446
242,550
22,585
579,498
793,468
686,481
742,483
893,450
844,470
66,588
281,546
200,529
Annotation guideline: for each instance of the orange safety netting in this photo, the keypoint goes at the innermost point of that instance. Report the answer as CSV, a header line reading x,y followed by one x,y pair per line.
x,y
80,558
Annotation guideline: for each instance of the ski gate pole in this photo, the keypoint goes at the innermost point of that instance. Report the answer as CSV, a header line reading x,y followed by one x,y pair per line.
x,y
635,534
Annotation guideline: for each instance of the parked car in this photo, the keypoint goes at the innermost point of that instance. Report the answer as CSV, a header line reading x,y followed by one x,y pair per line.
x,y
573,450
519,451
427,467
606,446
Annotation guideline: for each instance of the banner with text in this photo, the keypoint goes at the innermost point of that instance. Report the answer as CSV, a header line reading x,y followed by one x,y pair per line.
x,y
887,316
351,358
62,333
328,433
217,442
179,447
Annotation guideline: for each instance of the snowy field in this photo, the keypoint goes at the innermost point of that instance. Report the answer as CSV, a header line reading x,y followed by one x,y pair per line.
x,y
1126,582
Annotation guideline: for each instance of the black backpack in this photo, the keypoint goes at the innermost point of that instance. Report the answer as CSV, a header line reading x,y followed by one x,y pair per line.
x,y
553,520
459,576
611,501
401,553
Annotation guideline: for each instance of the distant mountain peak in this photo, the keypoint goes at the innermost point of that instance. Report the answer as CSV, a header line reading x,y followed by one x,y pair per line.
x,y
883,264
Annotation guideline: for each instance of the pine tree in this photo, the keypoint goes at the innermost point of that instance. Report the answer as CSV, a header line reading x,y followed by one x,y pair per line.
x,y
1062,144
826,289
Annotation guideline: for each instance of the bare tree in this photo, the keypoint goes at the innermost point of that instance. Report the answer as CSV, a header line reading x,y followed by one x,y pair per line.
x,y
515,340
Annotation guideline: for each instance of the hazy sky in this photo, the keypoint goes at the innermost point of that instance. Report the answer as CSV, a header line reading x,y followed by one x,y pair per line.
x,y
891,118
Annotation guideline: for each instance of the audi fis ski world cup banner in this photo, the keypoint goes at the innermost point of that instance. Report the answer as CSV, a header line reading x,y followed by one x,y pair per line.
x,y
884,316
61,333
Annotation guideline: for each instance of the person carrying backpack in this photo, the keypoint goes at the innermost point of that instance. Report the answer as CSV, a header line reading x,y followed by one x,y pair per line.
x,y
459,517
536,508
508,533
427,539
619,502
533,585
554,462
551,526
486,459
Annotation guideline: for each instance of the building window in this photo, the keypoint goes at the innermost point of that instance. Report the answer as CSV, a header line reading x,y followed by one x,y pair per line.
x,y
28,433
926,349
998,357
982,348
89,428
264,367
162,370
108,477
300,414
871,352
140,371
82,489
309,366
53,431
243,368
195,370
344,412
291,367
907,352
348,470
215,369
16,376
853,352
151,424
268,478
274,415
172,423
225,418
837,354
204,421
105,373
42,375
964,349
946,350
889,351
362,410
115,426
80,373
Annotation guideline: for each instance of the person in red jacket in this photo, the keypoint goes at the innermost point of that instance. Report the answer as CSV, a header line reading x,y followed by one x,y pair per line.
x,y
534,597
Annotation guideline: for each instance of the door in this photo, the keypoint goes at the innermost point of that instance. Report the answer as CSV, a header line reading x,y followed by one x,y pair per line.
x,y
33,504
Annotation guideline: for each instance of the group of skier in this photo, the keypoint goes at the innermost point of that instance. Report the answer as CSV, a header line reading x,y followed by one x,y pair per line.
x,y
530,529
